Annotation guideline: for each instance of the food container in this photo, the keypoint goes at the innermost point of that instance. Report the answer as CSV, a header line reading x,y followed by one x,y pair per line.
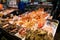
x,y
50,26
46,32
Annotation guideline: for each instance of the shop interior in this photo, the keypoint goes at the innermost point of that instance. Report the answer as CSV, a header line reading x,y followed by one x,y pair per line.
x,y
29,19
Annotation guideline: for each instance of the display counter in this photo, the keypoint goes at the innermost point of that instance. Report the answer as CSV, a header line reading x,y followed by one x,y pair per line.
x,y
34,25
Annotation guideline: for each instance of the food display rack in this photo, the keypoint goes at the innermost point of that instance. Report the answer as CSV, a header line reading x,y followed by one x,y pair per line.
x,y
8,36
15,37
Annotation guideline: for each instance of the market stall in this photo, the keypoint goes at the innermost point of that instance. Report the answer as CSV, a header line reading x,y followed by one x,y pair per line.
x,y
34,25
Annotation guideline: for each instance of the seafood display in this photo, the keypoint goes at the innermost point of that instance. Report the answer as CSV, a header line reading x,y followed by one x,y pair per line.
x,y
38,35
31,25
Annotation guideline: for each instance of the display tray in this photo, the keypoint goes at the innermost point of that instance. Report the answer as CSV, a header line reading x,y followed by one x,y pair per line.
x,y
7,11
33,25
17,36
4,35
46,27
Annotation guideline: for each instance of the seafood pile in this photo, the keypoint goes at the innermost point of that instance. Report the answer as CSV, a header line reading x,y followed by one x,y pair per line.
x,y
29,25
